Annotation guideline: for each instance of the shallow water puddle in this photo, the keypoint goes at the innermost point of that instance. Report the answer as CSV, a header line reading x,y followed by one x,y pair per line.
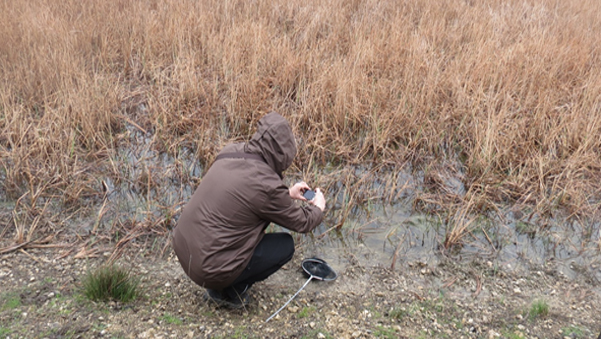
x,y
148,186
380,239
395,236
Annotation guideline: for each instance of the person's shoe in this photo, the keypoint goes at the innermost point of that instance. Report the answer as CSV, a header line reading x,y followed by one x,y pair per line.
x,y
240,301
214,296
221,300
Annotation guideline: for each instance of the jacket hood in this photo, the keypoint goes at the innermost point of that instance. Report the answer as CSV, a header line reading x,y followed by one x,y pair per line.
x,y
274,140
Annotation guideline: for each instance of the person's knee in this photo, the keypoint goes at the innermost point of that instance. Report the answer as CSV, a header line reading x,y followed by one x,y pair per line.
x,y
287,243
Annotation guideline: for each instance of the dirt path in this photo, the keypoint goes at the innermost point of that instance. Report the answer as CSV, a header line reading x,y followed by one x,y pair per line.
x,y
41,298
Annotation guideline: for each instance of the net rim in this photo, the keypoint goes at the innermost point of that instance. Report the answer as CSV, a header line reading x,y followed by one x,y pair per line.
x,y
319,261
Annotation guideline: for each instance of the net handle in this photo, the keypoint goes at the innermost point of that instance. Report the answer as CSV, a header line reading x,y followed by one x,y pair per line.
x,y
311,276
289,300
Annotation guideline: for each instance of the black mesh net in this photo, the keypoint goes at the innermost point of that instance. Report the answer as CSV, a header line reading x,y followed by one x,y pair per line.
x,y
318,269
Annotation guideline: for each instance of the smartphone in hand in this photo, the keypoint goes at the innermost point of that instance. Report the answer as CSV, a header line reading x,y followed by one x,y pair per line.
x,y
309,195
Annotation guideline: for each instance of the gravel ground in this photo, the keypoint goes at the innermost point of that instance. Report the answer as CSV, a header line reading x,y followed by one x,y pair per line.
x,y
41,298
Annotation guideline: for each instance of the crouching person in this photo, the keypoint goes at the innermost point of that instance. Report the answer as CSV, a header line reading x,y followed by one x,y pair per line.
x,y
220,238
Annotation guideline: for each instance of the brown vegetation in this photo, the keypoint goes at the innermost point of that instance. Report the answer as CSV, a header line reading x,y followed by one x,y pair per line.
x,y
504,95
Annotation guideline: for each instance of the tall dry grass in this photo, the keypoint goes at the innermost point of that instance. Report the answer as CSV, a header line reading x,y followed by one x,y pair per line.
x,y
503,94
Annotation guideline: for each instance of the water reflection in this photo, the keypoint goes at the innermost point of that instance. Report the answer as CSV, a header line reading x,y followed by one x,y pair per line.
x,y
394,236
148,185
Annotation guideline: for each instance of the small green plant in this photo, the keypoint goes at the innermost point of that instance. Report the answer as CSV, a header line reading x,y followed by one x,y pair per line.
x,y
375,313
99,327
4,332
398,313
207,313
572,332
170,319
384,332
9,302
539,308
111,282
525,228
306,311
239,334
458,323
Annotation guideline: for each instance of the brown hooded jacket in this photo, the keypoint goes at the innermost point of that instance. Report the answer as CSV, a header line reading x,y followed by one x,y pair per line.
x,y
236,200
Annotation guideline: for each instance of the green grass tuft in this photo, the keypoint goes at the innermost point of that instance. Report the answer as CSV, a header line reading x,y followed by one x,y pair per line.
x,y
398,313
4,332
171,319
539,308
9,302
385,332
111,283
513,335
572,332
306,311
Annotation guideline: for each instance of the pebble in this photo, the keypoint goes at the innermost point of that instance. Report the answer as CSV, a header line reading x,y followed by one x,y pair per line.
x,y
492,334
147,334
353,321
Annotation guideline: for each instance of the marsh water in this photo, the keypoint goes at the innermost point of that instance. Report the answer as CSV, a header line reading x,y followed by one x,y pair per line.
x,y
153,187
395,236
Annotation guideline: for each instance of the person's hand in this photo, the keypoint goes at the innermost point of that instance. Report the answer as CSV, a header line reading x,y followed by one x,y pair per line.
x,y
296,191
319,200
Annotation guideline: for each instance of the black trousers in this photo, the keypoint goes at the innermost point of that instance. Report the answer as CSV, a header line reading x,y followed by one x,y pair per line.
x,y
272,252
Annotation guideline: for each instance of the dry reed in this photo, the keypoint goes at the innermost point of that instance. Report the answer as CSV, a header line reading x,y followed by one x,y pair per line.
x,y
505,92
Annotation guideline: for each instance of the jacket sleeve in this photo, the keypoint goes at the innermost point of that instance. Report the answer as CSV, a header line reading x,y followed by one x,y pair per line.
x,y
279,208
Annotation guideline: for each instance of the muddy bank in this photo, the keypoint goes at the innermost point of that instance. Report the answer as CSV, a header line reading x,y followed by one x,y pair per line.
x,y
41,298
